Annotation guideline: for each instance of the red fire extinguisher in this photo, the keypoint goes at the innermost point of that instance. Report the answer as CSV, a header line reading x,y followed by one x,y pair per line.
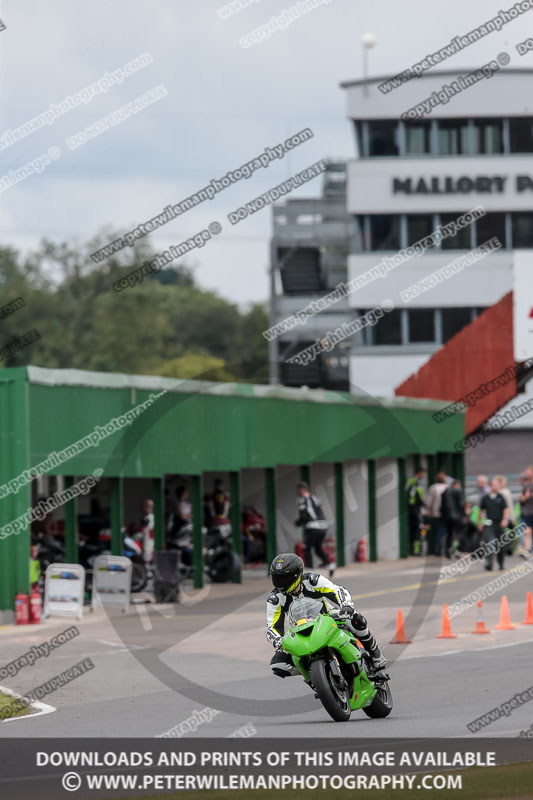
x,y
360,553
35,607
22,609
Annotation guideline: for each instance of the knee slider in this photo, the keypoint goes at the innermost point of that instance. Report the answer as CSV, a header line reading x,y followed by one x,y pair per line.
x,y
279,672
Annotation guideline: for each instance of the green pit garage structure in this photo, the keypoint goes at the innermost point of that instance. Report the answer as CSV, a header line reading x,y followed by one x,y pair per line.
x,y
356,451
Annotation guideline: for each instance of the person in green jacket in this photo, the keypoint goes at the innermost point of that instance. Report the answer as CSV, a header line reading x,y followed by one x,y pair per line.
x,y
35,566
415,509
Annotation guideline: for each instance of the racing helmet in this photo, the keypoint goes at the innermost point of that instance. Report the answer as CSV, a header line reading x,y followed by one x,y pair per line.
x,y
286,572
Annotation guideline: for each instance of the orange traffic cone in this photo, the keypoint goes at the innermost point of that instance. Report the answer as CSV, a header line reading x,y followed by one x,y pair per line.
x,y
529,610
400,637
446,632
505,619
480,624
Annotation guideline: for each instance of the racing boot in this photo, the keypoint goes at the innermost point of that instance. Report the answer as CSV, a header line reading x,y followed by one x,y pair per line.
x,y
368,641
379,661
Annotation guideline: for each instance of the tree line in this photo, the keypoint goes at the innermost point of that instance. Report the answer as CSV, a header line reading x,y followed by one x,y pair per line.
x,y
167,325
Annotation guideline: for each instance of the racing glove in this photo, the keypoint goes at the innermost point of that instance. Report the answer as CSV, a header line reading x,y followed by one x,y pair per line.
x,y
347,609
275,639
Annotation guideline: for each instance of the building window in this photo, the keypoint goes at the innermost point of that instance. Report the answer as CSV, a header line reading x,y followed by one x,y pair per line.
x,y
421,325
453,137
454,320
490,225
417,138
388,329
308,219
384,232
383,138
418,226
459,240
360,243
358,127
522,224
521,134
488,136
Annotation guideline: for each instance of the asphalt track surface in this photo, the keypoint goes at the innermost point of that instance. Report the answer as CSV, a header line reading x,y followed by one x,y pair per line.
x,y
154,667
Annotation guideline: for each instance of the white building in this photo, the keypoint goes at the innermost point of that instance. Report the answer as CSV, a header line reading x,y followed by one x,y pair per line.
x,y
408,178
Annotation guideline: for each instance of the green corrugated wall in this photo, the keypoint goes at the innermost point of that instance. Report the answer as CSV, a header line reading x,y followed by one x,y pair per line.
x,y
189,434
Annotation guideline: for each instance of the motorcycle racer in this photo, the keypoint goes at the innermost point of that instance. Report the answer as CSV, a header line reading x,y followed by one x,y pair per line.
x,y
289,581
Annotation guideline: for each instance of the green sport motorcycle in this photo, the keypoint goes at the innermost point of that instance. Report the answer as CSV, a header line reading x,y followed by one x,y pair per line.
x,y
325,650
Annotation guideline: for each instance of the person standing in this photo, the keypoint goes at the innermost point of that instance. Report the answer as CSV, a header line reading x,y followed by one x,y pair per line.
x,y
493,520
453,509
482,488
503,489
526,506
433,508
312,519
218,505
35,566
415,509
452,512
147,530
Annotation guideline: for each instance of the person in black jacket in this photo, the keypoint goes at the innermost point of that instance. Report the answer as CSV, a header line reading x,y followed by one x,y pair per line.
x,y
494,512
312,519
452,511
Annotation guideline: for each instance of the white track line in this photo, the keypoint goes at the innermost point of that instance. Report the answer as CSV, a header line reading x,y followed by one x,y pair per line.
x,y
460,652
42,708
121,644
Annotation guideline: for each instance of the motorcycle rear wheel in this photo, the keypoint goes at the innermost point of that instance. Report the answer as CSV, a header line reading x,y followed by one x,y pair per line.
x,y
336,702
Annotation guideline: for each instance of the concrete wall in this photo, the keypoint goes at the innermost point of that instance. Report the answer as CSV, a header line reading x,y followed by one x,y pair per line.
x,y
507,452
377,375
388,544
355,507
481,283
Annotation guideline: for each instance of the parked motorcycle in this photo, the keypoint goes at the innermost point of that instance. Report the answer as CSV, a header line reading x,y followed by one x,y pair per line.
x,y
132,549
49,551
219,561
181,541
324,649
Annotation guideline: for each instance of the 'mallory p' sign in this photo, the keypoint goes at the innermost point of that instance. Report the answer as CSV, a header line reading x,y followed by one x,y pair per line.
x,y
482,184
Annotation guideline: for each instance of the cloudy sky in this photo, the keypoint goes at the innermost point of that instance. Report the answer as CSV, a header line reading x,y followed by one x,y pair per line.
x,y
225,104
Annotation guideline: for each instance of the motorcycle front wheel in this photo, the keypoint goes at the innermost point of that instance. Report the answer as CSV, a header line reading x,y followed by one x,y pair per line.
x,y
139,576
381,705
220,567
335,700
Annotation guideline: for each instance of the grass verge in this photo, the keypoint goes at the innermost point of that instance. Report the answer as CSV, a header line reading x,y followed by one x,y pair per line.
x,y
510,782
11,707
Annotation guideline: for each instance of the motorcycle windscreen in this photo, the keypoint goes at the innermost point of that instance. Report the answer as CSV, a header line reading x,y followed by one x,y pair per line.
x,y
303,610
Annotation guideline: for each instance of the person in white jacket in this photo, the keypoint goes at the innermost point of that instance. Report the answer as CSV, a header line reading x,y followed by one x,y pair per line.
x,y
289,581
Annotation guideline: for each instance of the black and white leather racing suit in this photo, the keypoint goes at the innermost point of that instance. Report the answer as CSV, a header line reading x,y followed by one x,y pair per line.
x,y
320,588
